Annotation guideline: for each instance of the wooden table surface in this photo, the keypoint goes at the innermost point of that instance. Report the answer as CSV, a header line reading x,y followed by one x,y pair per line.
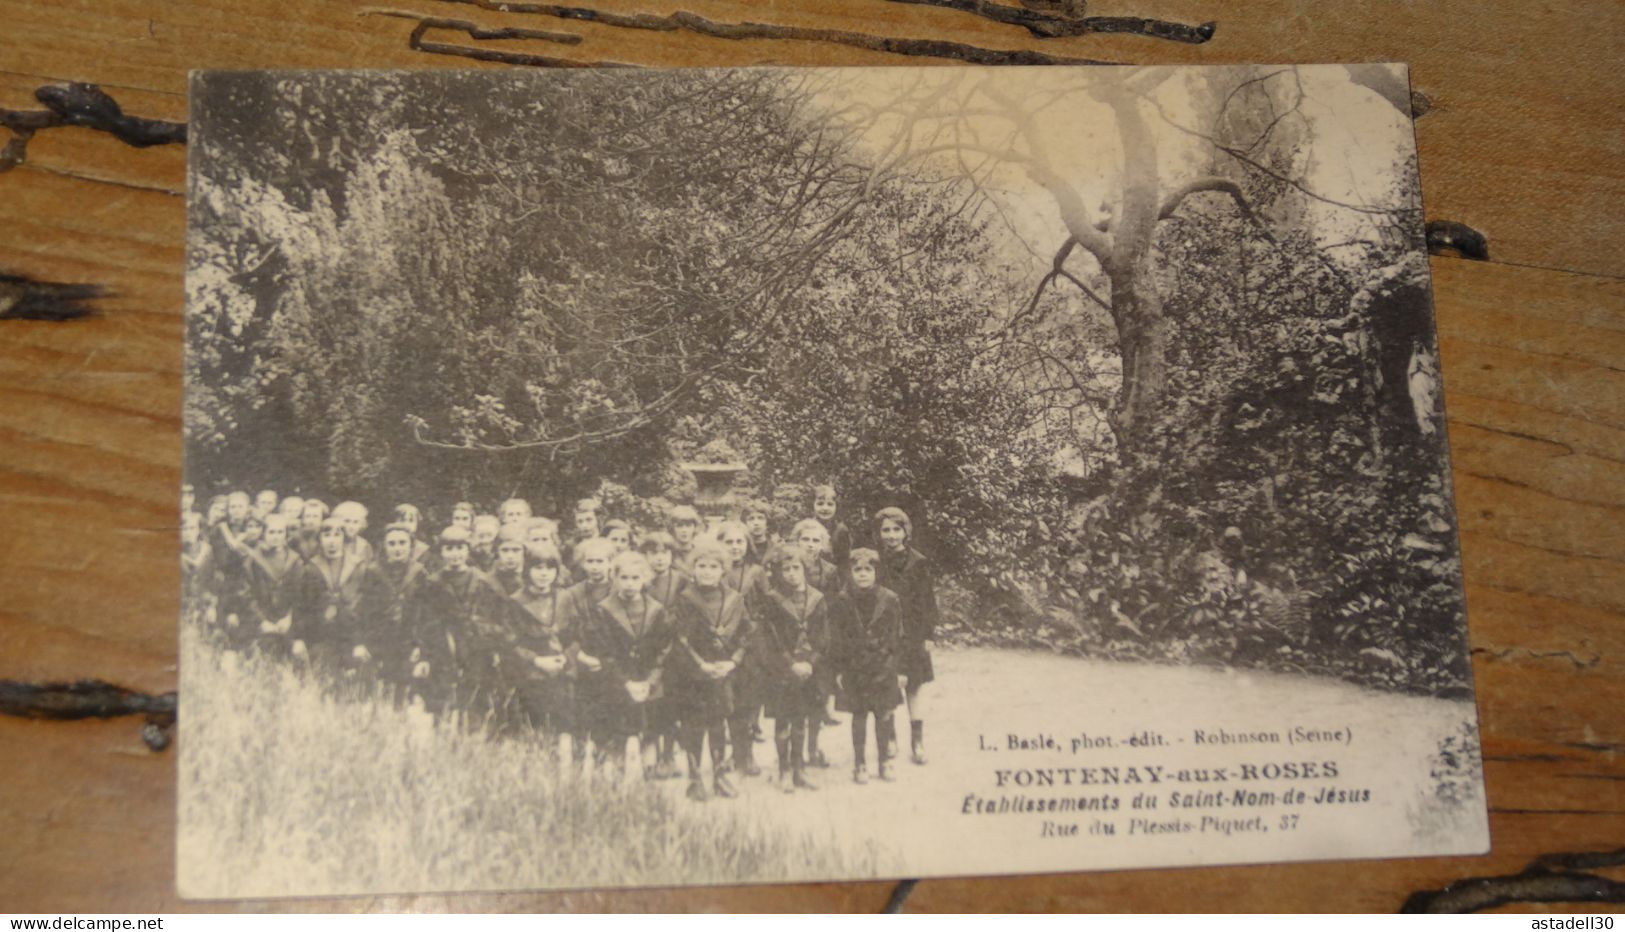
x,y
1520,140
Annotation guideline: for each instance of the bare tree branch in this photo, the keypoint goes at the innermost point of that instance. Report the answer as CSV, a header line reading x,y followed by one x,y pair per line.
x,y
1241,156
1206,183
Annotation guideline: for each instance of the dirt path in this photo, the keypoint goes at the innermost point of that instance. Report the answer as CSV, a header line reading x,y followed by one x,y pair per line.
x,y
1380,746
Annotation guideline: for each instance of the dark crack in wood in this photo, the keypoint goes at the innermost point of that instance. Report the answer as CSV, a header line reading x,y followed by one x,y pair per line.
x,y
1447,237
417,42
683,21
1420,104
91,699
1065,18
899,896
1550,878
1506,653
1596,747
81,105
25,299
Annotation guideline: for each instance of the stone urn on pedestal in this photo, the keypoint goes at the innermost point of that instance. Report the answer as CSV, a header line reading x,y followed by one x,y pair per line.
x,y
714,496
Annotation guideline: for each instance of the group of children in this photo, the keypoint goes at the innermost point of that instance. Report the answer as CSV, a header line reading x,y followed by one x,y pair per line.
x,y
685,637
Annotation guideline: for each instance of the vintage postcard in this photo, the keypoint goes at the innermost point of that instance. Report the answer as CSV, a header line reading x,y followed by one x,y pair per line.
x,y
628,477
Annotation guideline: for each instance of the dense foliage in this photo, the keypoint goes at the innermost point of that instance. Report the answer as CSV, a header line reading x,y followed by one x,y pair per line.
x,y
593,297
561,297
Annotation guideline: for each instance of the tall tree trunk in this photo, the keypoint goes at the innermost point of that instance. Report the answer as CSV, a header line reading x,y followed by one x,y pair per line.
x,y
1142,333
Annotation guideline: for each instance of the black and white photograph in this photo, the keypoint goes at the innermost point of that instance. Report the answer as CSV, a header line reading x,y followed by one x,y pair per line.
x,y
640,477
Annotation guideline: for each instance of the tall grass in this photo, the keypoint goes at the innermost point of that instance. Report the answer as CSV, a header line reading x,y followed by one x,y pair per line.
x,y
288,790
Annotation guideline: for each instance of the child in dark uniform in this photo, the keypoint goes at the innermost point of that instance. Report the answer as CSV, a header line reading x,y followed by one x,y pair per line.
x,y
545,649
577,606
664,587
306,542
508,568
628,638
619,533
826,578
353,516
906,572
462,516
793,626
514,511
402,573
329,609
457,614
482,550
541,531
408,516
826,509
758,536
745,579
684,523
588,520
273,574
867,640
197,568
712,631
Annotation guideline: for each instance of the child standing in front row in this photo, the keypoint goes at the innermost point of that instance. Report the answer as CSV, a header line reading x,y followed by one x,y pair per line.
x,y
712,633
823,576
545,649
867,640
664,587
577,608
745,579
629,638
906,572
794,629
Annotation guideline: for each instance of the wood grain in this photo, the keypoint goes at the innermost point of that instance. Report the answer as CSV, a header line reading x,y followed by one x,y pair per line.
x,y
1522,142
